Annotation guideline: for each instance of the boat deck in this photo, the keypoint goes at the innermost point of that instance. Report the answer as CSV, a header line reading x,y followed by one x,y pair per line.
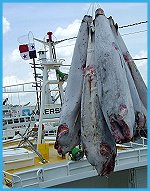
x,y
60,170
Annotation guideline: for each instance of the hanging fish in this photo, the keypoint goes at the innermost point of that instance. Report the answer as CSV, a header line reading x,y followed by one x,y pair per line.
x,y
140,111
72,102
97,140
138,80
114,93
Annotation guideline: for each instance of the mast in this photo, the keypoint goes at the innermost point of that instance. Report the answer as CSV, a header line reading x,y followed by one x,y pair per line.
x,y
59,86
48,64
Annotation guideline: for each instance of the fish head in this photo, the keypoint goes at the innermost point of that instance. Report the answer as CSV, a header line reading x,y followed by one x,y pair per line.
x,y
102,156
99,12
120,126
140,120
61,137
107,162
65,140
106,166
87,19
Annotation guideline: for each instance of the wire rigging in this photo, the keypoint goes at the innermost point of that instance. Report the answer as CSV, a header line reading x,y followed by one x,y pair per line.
x,y
140,58
136,32
126,34
130,25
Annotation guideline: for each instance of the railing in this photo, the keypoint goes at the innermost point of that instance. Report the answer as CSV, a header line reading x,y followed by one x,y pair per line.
x,y
40,175
52,61
23,87
8,179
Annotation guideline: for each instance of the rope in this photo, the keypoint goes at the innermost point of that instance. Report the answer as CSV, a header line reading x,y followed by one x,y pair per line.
x,y
93,7
89,8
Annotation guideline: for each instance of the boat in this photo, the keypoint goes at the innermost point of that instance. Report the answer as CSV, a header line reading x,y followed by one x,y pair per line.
x,y
30,160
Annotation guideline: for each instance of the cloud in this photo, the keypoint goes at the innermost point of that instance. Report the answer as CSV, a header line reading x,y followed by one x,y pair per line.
x,y
65,49
14,65
6,25
70,31
15,56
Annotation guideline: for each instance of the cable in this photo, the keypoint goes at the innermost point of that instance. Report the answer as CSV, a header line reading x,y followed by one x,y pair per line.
x,y
133,33
65,45
89,8
56,42
119,27
140,59
121,35
130,25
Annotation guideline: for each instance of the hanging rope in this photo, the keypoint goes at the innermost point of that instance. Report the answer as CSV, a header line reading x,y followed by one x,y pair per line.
x,y
89,8
92,8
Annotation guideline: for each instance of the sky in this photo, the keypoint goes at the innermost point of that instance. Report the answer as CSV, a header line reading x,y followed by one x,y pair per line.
x,y
63,19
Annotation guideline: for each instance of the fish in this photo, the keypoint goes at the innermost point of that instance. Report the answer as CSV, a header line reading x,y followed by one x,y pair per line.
x,y
139,109
114,92
66,141
138,80
72,100
98,143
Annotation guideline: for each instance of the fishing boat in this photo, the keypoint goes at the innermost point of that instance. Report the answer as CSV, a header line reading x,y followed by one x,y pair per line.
x,y
30,160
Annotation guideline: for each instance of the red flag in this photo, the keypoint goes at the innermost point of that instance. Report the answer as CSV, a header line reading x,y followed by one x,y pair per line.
x,y
24,51
23,48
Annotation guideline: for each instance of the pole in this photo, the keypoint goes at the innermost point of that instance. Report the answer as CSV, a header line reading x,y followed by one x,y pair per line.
x,y
42,104
59,85
36,85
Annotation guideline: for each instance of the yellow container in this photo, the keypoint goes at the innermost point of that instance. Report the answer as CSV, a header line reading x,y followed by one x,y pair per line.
x,y
44,150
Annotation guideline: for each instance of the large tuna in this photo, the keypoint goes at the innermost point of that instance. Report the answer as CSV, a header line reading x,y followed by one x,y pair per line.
x,y
71,106
138,80
140,111
115,97
98,143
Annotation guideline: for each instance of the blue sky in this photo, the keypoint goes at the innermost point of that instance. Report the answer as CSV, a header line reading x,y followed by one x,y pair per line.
x,y
63,19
